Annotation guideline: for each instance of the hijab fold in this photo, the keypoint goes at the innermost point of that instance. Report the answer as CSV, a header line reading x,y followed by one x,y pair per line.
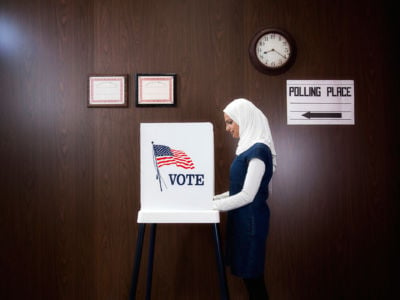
x,y
253,126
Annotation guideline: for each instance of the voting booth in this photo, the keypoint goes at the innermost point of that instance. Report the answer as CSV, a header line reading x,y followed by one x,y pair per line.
x,y
176,186
176,173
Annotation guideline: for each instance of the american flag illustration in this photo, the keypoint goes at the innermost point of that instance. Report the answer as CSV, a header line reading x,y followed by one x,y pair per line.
x,y
166,156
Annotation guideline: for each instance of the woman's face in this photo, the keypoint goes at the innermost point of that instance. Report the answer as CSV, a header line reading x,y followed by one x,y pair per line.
x,y
231,126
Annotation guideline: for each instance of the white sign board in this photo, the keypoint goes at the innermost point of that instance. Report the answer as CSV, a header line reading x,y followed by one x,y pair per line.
x,y
326,102
177,173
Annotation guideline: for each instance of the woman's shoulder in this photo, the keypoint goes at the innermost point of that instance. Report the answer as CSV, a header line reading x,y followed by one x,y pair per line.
x,y
259,150
260,147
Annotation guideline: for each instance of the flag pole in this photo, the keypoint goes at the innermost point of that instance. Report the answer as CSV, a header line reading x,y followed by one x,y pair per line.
x,y
158,176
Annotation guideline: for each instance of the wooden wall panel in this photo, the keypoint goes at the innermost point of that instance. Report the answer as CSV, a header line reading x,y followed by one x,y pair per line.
x,y
70,175
326,207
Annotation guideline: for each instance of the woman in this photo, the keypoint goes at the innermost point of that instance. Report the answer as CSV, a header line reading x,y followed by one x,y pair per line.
x,y
248,212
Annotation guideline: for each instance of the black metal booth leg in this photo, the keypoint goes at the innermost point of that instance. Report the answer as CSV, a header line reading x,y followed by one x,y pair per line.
x,y
151,260
221,268
138,256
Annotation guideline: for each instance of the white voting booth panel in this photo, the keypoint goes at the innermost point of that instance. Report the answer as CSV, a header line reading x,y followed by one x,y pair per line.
x,y
177,173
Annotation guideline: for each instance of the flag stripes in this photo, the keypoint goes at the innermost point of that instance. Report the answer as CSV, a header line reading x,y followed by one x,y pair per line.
x,y
166,156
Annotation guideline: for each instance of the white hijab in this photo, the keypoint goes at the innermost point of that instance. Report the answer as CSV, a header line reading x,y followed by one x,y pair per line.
x,y
253,126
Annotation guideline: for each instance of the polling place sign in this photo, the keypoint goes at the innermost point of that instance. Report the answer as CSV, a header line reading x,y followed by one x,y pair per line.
x,y
177,173
325,102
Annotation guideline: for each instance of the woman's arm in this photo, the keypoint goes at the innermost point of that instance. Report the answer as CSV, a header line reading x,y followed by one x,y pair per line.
x,y
221,196
255,172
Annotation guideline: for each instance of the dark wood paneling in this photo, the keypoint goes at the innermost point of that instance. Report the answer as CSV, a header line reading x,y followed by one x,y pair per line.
x,y
331,190
70,175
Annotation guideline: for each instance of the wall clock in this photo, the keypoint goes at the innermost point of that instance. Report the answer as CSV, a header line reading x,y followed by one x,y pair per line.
x,y
272,51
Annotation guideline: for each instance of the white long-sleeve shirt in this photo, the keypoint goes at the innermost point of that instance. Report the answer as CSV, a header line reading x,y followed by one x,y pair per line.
x,y
254,175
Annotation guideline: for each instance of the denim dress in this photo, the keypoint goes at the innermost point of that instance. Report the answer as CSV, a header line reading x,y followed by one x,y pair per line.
x,y
247,226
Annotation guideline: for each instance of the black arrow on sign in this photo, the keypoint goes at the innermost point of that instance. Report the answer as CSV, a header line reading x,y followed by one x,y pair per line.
x,y
310,115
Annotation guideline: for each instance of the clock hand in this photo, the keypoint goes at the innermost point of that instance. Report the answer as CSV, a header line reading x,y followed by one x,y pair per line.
x,y
279,53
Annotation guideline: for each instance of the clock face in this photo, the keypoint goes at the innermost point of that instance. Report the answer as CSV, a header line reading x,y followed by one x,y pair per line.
x,y
273,50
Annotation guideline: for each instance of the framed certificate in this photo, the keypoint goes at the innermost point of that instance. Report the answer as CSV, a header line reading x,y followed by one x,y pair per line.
x,y
155,89
108,91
